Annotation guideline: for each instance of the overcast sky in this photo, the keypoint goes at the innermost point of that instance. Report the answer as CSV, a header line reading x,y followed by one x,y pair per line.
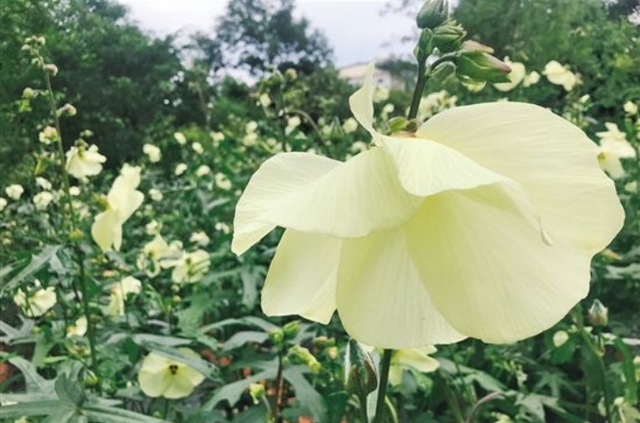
x,y
356,30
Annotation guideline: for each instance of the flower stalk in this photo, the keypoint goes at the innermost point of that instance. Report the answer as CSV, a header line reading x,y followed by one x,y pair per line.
x,y
385,366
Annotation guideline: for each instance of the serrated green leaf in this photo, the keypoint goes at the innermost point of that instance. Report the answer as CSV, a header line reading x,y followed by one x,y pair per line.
x,y
306,394
37,262
233,391
33,381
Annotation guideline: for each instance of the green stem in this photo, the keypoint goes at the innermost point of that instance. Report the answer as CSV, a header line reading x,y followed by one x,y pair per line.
x,y
417,92
279,388
385,366
73,224
593,349
363,408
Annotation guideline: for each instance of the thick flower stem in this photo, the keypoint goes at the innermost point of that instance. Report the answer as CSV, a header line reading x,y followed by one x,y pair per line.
x,y
385,366
364,415
73,224
279,388
417,92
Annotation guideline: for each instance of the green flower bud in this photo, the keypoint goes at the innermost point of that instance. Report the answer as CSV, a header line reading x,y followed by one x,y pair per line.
x,y
301,355
257,392
91,379
432,14
277,336
76,235
598,314
28,93
443,71
398,123
361,372
291,329
448,37
475,64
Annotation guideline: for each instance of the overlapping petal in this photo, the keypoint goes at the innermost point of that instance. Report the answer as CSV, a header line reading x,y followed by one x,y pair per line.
x,y
553,160
290,288
381,298
486,268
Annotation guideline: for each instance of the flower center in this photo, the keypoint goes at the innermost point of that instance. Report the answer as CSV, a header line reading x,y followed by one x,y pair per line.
x,y
173,368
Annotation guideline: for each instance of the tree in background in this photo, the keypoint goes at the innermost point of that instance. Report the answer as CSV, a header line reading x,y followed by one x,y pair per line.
x,y
257,34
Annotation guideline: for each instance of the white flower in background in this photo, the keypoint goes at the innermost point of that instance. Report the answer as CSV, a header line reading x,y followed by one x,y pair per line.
x,y
152,228
292,123
161,376
48,135
180,138
180,169
153,152
197,148
516,76
122,201
398,238
435,103
272,142
200,238
155,252
614,147
222,181
74,191
350,125
560,75
119,292
630,108
79,328
36,303
530,79
222,227
388,109
630,187
265,100
559,338
3,203
380,94
190,267
155,194
417,359
250,139
203,170
251,127
14,191
217,137
42,200
43,183
358,147
83,162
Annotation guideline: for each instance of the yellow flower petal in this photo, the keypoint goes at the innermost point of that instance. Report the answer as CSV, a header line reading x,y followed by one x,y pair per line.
x,y
381,299
552,160
106,230
488,271
290,288
361,102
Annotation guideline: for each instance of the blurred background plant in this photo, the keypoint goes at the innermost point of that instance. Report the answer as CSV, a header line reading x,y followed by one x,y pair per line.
x,y
170,107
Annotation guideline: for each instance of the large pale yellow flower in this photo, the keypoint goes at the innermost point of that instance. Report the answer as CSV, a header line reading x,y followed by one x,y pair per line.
x,y
119,292
162,376
189,267
37,303
122,201
483,223
560,75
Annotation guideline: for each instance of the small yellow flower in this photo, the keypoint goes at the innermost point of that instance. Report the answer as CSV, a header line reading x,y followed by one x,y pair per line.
x,y
481,224
197,148
203,170
614,147
350,125
14,191
153,152
42,200
417,359
560,75
265,100
559,338
180,169
155,252
180,138
122,201
79,328
217,137
83,162
516,76
190,267
119,292
165,377
630,108
530,79
222,181
37,303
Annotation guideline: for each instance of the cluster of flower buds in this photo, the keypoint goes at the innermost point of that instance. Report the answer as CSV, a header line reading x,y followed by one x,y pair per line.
x,y
443,39
302,355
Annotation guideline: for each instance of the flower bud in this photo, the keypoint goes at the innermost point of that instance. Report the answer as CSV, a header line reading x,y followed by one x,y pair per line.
x,y
443,71
432,13
276,336
422,50
51,68
476,64
28,93
67,110
91,379
448,37
360,371
291,329
398,123
598,314
76,235
301,355
291,74
257,392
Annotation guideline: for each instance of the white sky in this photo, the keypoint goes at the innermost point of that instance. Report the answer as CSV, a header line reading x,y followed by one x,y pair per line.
x,y
356,30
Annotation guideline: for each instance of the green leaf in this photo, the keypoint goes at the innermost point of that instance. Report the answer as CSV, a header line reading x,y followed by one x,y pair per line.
x,y
306,394
233,391
241,338
37,262
69,392
629,371
32,408
33,381
251,277
101,414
